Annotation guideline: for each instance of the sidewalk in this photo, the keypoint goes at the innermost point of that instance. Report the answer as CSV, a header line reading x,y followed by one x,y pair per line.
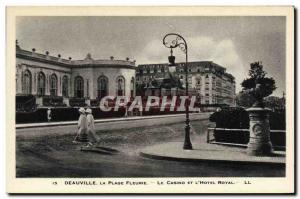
x,y
208,152
131,118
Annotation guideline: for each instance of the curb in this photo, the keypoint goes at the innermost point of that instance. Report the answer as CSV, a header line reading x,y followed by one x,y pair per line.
x,y
179,159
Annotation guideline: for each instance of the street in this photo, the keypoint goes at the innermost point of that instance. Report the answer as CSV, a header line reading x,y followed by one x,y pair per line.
x,y
49,152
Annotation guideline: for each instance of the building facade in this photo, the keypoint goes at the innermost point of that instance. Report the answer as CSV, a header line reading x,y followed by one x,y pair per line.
x,y
208,80
52,77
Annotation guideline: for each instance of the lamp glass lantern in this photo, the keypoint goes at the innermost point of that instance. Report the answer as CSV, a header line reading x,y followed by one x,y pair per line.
x,y
172,65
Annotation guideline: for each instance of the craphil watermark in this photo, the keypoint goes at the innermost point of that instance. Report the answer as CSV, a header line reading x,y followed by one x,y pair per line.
x,y
178,102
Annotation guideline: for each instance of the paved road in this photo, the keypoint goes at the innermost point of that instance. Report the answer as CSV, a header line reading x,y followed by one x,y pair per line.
x,y
49,152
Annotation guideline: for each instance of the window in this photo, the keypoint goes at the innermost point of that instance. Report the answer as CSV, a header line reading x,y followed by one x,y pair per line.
x,y
53,85
41,84
198,70
102,87
88,88
78,87
120,86
132,83
26,82
65,85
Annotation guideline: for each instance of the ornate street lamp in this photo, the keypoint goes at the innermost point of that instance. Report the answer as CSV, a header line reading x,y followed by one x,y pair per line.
x,y
173,40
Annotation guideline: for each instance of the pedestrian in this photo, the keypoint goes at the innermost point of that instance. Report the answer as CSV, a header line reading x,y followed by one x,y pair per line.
x,y
91,125
82,125
49,115
126,111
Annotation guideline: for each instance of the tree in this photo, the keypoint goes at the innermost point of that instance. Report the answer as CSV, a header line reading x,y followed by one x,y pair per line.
x,y
258,85
275,103
140,89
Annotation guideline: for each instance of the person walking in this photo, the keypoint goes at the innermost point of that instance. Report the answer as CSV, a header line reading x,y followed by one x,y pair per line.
x,y
81,127
91,125
49,115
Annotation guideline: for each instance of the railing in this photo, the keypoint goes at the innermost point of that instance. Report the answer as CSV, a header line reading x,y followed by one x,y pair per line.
x,y
77,102
55,101
243,137
25,106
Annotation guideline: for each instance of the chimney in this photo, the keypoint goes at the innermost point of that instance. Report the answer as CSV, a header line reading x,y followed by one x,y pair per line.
x,y
17,45
33,52
47,54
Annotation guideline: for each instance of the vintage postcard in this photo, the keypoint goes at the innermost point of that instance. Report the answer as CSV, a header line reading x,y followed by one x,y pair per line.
x,y
149,100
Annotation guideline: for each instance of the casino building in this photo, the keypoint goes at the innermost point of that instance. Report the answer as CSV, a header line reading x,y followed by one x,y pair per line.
x,y
46,80
208,80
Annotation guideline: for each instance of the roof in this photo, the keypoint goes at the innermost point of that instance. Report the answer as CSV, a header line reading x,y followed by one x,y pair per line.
x,y
87,62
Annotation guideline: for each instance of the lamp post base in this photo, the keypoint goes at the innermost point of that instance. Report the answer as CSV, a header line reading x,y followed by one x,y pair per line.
x,y
187,141
259,142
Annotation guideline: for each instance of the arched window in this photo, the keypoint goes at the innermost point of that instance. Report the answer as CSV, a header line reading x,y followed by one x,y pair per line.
x,y
198,80
132,85
120,86
102,87
78,87
26,82
41,84
65,86
53,85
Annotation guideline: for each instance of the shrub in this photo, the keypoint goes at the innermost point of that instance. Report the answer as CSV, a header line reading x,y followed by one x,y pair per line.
x,y
238,118
231,117
63,114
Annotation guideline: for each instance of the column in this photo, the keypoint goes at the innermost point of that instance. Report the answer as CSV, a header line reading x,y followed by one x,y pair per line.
x,y
259,143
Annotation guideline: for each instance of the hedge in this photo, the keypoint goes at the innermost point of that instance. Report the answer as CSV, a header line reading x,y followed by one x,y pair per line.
x,y
238,118
63,114
242,137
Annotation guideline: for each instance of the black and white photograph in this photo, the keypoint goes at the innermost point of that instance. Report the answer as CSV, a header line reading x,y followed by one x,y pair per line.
x,y
110,100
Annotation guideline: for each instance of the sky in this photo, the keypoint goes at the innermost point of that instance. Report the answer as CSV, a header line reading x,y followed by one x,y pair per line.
x,y
232,42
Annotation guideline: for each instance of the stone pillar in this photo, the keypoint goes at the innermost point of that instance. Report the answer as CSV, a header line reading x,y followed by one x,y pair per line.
x,y
88,102
66,101
259,143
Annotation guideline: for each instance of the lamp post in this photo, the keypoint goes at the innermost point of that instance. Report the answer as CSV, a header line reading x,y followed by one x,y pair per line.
x,y
173,40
